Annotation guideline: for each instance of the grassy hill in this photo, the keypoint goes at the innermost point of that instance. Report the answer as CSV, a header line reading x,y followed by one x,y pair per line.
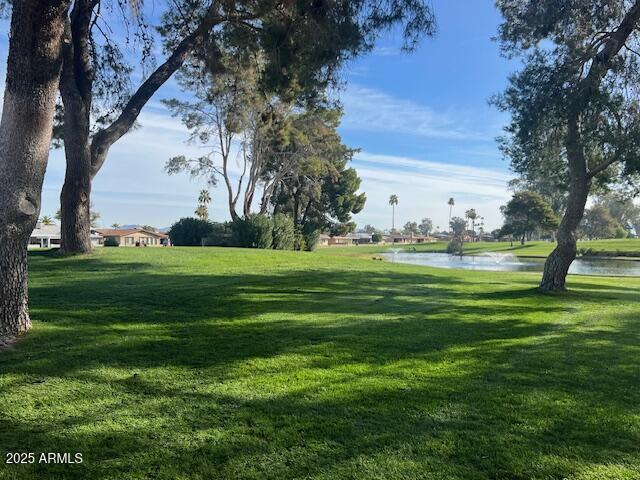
x,y
224,363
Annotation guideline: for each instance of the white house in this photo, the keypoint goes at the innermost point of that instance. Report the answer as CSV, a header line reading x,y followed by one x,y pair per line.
x,y
96,238
45,236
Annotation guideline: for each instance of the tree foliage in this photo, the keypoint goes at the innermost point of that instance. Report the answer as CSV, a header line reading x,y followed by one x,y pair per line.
x,y
253,231
573,105
598,223
319,190
458,228
411,228
426,226
623,209
284,232
189,232
526,213
202,210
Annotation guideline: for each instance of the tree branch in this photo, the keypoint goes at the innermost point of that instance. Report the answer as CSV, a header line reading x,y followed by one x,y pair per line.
x,y
103,139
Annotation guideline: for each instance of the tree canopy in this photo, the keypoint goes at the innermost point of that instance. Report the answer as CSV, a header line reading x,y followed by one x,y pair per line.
x,y
526,213
574,104
598,223
426,226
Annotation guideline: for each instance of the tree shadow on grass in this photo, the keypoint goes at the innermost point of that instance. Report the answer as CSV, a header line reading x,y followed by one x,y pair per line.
x,y
330,373
143,319
547,410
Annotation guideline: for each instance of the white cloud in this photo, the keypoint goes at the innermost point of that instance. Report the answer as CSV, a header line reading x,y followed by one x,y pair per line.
x,y
371,110
133,187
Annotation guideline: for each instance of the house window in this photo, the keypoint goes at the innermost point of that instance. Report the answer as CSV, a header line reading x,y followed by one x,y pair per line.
x,y
128,241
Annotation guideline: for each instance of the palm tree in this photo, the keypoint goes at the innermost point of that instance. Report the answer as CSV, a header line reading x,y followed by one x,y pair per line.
x,y
451,203
393,201
472,215
46,220
204,197
115,226
202,212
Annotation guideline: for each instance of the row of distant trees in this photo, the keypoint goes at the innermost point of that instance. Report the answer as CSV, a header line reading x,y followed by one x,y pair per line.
x,y
426,225
528,215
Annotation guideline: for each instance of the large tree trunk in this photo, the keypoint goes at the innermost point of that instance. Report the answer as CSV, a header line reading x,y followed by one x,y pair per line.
x,y
33,72
85,156
75,200
557,265
76,86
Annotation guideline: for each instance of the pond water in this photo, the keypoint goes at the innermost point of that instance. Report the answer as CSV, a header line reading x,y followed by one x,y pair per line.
x,y
506,262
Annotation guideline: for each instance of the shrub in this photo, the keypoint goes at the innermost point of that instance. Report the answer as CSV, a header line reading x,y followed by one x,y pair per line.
x,y
190,232
376,237
306,239
284,236
454,247
221,235
110,242
299,243
311,240
621,232
253,231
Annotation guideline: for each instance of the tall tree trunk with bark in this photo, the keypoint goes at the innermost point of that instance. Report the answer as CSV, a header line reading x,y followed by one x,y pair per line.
x,y
87,155
33,73
557,264
76,85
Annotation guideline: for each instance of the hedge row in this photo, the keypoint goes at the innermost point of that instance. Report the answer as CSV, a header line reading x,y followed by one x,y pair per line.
x,y
276,232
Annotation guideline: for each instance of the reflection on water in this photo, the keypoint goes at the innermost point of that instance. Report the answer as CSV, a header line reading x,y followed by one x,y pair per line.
x,y
510,263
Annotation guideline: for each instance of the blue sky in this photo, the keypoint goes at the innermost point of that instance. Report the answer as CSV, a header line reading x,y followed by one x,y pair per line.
x,y
421,120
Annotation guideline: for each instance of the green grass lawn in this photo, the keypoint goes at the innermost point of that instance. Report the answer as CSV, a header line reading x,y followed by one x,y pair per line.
x,y
246,364
614,247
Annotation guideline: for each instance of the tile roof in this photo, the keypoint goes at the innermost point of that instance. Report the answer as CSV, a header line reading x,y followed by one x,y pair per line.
x,y
109,232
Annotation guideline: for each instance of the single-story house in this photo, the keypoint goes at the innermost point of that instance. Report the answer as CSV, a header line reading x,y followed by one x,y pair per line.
x,y
96,238
328,240
134,237
441,236
361,238
407,239
45,236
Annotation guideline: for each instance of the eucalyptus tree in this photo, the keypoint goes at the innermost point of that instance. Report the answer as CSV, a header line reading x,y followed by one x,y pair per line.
x,y
31,88
623,209
303,44
231,117
410,228
426,226
598,223
574,104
